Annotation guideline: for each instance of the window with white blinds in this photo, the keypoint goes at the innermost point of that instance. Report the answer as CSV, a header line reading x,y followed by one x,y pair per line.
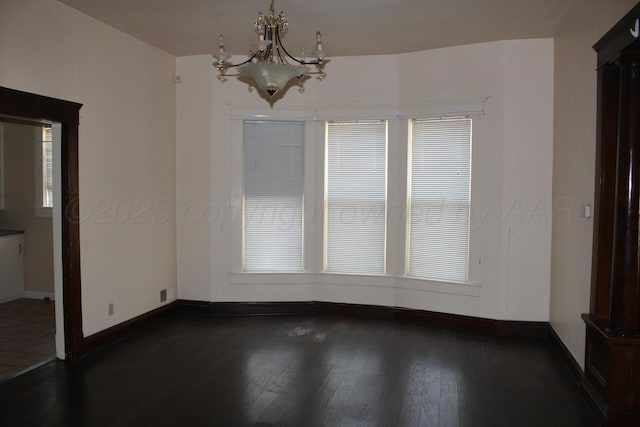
x,y
273,195
47,167
355,198
439,198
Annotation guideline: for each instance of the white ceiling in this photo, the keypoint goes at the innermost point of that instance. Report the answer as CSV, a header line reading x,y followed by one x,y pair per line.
x,y
349,27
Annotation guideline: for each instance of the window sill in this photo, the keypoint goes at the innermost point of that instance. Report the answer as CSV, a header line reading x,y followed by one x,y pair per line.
x,y
43,212
259,278
471,289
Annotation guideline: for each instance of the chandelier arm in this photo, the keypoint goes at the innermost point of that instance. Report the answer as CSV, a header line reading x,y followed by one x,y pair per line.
x,y
243,62
293,57
280,46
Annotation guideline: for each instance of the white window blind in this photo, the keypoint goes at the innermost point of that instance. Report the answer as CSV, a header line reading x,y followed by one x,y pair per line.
x,y
273,187
47,167
356,194
439,198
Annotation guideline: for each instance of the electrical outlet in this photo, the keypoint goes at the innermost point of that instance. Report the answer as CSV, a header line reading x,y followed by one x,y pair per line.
x,y
111,309
163,295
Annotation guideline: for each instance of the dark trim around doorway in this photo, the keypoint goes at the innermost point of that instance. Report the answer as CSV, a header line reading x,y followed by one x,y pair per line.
x,y
18,104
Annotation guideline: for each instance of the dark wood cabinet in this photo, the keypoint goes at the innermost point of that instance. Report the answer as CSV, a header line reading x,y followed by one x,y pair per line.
x,y
612,359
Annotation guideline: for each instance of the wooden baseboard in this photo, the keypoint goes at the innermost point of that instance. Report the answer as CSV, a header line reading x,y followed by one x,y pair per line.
x,y
337,308
39,295
226,309
499,327
570,362
577,373
121,330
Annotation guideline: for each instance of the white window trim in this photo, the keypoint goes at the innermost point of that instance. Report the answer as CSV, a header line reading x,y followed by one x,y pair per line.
x,y
326,203
301,206
40,210
395,276
410,199
234,213
476,231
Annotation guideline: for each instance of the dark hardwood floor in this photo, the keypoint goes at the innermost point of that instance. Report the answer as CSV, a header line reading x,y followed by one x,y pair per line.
x,y
315,370
27,335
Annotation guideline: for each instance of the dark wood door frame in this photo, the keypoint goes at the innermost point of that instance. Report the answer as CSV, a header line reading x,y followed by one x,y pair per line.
x,y
30,106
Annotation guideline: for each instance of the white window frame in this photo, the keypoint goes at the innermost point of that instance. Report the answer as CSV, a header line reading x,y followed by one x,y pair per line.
x,y
244,205
410,198
326,267
479,207
42,209
483,202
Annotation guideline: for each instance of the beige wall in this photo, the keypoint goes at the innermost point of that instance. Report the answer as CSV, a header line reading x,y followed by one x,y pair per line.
x,y
573,163
513,174
19,213
127,147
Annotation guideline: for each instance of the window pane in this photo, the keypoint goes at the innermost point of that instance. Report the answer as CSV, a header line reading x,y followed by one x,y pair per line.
x,y
273,186
440,198
356,196
47,167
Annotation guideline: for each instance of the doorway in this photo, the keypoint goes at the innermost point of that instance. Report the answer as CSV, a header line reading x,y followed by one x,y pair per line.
x,y
26,106
27,279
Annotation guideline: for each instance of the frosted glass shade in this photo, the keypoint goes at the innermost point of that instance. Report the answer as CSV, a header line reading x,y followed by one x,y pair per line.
x,y
221,56
271,77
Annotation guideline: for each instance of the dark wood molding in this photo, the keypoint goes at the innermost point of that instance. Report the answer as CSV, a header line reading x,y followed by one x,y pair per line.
x,y
617,38
470,323
498,327
605,185
338,308
624,301
124,329
612,348
568,359
225,309
610,375
23,105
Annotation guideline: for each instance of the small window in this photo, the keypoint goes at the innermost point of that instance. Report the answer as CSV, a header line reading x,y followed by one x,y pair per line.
x,y
44,171
47,167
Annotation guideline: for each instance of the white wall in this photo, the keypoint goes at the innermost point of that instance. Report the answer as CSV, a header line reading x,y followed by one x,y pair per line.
x,y
574,161
515,147
127,147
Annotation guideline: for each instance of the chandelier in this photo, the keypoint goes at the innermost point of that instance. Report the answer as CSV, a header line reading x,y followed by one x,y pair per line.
x,y
270,67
